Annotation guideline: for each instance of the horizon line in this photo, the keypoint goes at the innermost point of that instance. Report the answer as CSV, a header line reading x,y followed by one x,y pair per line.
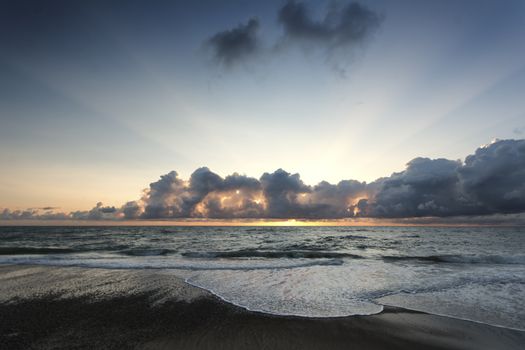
x,y
250,223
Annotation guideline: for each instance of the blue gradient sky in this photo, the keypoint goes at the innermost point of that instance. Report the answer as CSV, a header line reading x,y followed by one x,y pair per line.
x,y
98,99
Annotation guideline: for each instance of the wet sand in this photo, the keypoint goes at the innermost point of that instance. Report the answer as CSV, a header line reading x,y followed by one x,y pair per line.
x,y
78,308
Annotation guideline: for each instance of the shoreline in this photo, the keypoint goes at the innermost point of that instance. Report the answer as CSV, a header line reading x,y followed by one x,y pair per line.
x,y
222,299
46,307
385,308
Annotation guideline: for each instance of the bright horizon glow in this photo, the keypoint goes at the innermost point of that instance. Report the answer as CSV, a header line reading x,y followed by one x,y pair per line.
x,y
245,223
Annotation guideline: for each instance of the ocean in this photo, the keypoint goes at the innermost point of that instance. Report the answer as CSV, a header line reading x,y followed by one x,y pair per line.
x,y
473,273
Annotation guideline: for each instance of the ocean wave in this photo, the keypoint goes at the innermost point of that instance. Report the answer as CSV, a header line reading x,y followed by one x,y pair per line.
x,y
353,237
34,251
306,247
147,252
165,264
339,238
360,229
463,259
289,254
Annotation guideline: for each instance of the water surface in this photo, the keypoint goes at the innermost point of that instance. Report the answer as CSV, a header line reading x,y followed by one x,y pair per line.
x,y
471,273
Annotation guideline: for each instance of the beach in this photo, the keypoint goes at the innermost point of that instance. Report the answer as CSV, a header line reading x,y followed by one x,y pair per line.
x,y
85,308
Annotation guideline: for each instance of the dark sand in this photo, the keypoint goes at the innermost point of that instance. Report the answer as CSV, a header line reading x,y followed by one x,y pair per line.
x,y
75,308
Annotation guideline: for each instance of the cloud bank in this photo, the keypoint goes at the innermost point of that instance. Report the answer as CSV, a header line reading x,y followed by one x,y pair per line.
x,y
336,33
490,181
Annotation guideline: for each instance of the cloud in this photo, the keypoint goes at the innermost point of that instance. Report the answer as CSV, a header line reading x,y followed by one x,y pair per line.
x,y
489,182
165,198
336,201
519,130
493,178
206,194
340,27
30,214
297,23
235,45
281,191
426,187
131,210
337,33
275,195
99,212
237,196
49,208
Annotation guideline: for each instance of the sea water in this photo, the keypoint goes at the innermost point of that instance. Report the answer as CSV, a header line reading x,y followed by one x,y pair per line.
x,y
474,273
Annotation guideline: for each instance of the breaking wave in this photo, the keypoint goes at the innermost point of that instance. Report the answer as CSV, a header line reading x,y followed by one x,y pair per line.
x,y
463,259
33,251
291,254
109,263
147,252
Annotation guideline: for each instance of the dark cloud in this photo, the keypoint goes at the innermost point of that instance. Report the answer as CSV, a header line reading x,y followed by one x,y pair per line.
x,y
336,33
493,178
202,182
281,191
49,208
336,201
236,181
165,198
426,187
99,212
131,210
341,26
297,23
234,45
490,182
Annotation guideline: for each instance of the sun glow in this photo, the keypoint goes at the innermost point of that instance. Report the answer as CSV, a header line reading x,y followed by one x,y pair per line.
x,y
353,207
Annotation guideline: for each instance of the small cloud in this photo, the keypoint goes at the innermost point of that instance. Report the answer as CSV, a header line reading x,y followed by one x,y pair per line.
x,y
519,130
235,45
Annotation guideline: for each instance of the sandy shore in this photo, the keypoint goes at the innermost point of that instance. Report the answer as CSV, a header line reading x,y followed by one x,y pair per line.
x,y
76,308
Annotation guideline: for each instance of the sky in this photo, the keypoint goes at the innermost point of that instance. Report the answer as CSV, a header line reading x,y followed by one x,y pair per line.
x,y
98,99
